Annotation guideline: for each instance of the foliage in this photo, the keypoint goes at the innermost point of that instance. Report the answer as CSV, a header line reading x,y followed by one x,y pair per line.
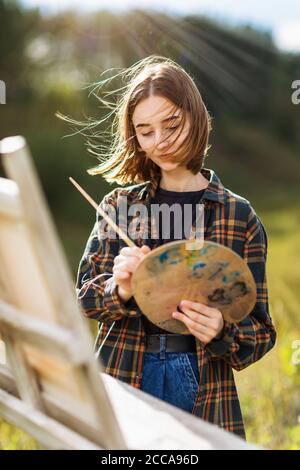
x,y
12,438
270,389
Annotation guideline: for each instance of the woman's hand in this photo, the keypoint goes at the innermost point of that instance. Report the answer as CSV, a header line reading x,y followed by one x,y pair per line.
x,y
125,265
204,322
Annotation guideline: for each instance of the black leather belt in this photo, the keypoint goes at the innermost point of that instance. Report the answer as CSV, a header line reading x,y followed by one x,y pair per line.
x,y
174,343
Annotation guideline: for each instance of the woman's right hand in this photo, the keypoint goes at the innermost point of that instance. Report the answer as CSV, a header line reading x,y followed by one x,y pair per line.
x,y
125,265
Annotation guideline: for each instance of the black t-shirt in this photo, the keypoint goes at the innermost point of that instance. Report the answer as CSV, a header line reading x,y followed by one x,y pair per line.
x,y
164,196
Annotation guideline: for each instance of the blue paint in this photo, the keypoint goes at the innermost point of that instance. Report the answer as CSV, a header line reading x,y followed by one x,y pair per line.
x,y
163,257
198,266
175,261
205,249
195,273
215,274
230,277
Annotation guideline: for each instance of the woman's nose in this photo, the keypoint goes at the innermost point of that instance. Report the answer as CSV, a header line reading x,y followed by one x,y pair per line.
x,y
161,142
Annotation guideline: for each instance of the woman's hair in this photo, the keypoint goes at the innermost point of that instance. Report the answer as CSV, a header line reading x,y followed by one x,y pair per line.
x,y
122,160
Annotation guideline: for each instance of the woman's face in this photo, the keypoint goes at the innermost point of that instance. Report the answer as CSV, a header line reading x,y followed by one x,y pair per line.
x,y
156,124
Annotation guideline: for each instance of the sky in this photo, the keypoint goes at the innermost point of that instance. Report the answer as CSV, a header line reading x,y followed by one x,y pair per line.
x,y
282,17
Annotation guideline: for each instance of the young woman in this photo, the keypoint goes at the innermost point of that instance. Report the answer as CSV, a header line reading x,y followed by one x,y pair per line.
x,y
160,143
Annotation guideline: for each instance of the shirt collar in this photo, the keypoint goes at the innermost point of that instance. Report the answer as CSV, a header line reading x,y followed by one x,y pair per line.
x,y
215,190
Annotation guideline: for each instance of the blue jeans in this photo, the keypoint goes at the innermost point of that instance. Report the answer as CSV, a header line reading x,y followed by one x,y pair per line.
x,y
172,377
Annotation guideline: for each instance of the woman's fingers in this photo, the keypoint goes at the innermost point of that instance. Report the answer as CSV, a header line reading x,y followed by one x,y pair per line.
x,y
145,249
121,260
197,317
127,261
126,264
130,255
120,275
192,321
203,321
132,251
199,331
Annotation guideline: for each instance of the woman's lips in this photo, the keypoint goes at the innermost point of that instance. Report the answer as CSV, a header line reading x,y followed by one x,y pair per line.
x,y
167,155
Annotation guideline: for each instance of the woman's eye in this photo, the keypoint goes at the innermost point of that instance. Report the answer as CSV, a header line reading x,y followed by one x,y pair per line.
x,y
148,133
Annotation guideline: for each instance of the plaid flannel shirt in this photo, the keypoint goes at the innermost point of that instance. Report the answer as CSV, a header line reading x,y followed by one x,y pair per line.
x,y
229,220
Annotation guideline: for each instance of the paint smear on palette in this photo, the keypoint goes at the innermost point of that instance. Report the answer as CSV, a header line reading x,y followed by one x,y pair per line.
x,y
227,296
231,277
164,257
161,262
196,271
154,266
158,263
191,257
218,269
176,255
171,256
206,249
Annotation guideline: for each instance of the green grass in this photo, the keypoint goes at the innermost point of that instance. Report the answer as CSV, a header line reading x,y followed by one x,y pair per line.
x,y
12,438
270,389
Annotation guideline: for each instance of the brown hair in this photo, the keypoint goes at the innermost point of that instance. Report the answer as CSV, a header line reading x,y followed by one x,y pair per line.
x,y
153,75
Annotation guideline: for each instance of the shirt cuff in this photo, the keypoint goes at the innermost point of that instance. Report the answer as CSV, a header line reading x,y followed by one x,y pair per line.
x,y
115,304
221,344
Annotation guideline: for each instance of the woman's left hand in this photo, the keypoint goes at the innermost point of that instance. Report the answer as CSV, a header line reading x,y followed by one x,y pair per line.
x,y
204,322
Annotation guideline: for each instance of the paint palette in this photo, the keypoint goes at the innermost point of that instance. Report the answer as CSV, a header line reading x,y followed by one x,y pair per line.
x,y
200,271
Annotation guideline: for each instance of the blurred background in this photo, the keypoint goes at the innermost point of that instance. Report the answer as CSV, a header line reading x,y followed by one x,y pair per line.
x,y
244,58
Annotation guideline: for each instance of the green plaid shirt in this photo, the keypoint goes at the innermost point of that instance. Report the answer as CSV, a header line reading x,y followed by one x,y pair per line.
x,y
229,220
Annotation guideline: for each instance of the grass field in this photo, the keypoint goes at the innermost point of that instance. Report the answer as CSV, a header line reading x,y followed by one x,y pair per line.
x,y
270,389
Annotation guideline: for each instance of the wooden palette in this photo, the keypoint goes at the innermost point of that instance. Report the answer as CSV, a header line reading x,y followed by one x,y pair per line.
x,y
204,272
